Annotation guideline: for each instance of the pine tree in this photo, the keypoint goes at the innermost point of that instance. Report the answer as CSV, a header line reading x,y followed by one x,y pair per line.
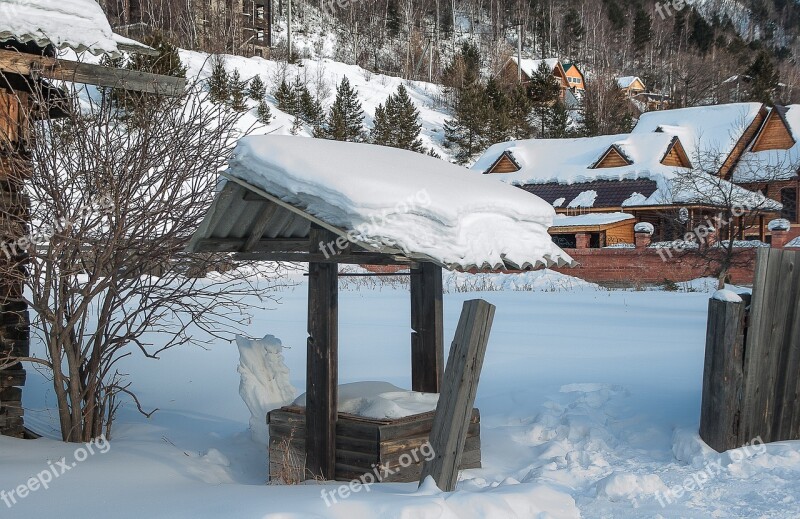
x,y
346,118
466,131
256,90
310,108
218,81
544,92
764,80
237,89
285,98
519,114
557,122
264,113
575,30
498,125
642,29
406,122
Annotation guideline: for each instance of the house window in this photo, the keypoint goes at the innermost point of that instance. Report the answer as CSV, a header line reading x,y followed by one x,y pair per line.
x,y
259,12
789,201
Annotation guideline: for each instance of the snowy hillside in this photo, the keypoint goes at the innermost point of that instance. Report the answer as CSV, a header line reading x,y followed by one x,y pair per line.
x,y
321,78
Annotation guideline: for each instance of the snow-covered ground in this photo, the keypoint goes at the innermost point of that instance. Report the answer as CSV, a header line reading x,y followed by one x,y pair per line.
x,y
589,401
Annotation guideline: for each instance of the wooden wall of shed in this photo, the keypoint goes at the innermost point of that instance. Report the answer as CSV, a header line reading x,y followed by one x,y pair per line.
x,y
14,217
620,234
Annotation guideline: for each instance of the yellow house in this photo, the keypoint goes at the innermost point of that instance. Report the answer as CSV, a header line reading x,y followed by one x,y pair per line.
x,y
631,85
575,79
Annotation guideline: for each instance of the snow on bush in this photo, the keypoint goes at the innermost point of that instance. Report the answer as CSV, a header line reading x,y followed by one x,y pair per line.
x,y
265,381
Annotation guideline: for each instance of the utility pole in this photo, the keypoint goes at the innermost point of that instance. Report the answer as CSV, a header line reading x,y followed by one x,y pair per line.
x,y
289,33
519,51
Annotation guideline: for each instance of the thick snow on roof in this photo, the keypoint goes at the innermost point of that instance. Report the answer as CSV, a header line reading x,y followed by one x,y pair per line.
x,y
755,166
567,161
531,66
703,129
591,219
402,199
626,81
570,161
78,24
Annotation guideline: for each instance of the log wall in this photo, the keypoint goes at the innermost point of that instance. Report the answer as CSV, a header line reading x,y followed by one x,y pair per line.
x,y
14,217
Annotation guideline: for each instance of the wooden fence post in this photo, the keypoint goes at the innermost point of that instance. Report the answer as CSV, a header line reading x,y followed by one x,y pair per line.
x,y
454,410
723,375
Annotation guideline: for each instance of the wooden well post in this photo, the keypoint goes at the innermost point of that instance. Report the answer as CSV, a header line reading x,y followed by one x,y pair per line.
x,y
322,363
427,323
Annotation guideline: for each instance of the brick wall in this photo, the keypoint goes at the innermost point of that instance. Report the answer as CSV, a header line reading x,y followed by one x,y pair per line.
x,y
645,266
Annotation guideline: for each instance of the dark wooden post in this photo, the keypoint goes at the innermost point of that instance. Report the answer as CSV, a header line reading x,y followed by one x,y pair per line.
x,y
14,209
427,323
322,362
454,410
723,375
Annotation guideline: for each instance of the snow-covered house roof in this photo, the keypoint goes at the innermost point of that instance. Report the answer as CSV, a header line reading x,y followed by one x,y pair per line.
x,y
77,24
626,81
531,66
571,169
591,219
759,164
388,201
703,130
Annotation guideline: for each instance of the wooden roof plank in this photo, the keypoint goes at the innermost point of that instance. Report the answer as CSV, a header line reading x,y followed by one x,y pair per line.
x,y
51,68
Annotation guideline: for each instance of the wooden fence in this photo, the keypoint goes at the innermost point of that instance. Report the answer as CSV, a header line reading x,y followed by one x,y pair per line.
x,y
751,382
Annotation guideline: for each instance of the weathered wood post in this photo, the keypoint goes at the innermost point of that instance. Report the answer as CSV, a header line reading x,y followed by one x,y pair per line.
x,y
322,364
723,375
771,407
454,410
14,208
427,323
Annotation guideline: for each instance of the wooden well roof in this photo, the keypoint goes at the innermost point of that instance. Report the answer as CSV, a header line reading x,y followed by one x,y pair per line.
x,y
273,221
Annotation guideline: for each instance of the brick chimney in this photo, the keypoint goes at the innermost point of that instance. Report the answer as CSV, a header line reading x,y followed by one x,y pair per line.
x,y
779,239
582,240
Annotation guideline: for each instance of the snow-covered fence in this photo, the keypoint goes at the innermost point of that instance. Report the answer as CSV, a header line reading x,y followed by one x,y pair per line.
x,y
752,371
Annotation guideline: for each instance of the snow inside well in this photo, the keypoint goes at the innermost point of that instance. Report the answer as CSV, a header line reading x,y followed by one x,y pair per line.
x,y
395,198
77,24
380,400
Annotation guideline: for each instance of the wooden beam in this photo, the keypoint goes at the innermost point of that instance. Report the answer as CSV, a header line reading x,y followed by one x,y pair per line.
x,y
266,245
427,324
261,226
366,258
322,365
51,68
454,410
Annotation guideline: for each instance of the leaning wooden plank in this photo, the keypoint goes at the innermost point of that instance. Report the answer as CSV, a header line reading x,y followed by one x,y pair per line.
x,y
51,68
459,388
